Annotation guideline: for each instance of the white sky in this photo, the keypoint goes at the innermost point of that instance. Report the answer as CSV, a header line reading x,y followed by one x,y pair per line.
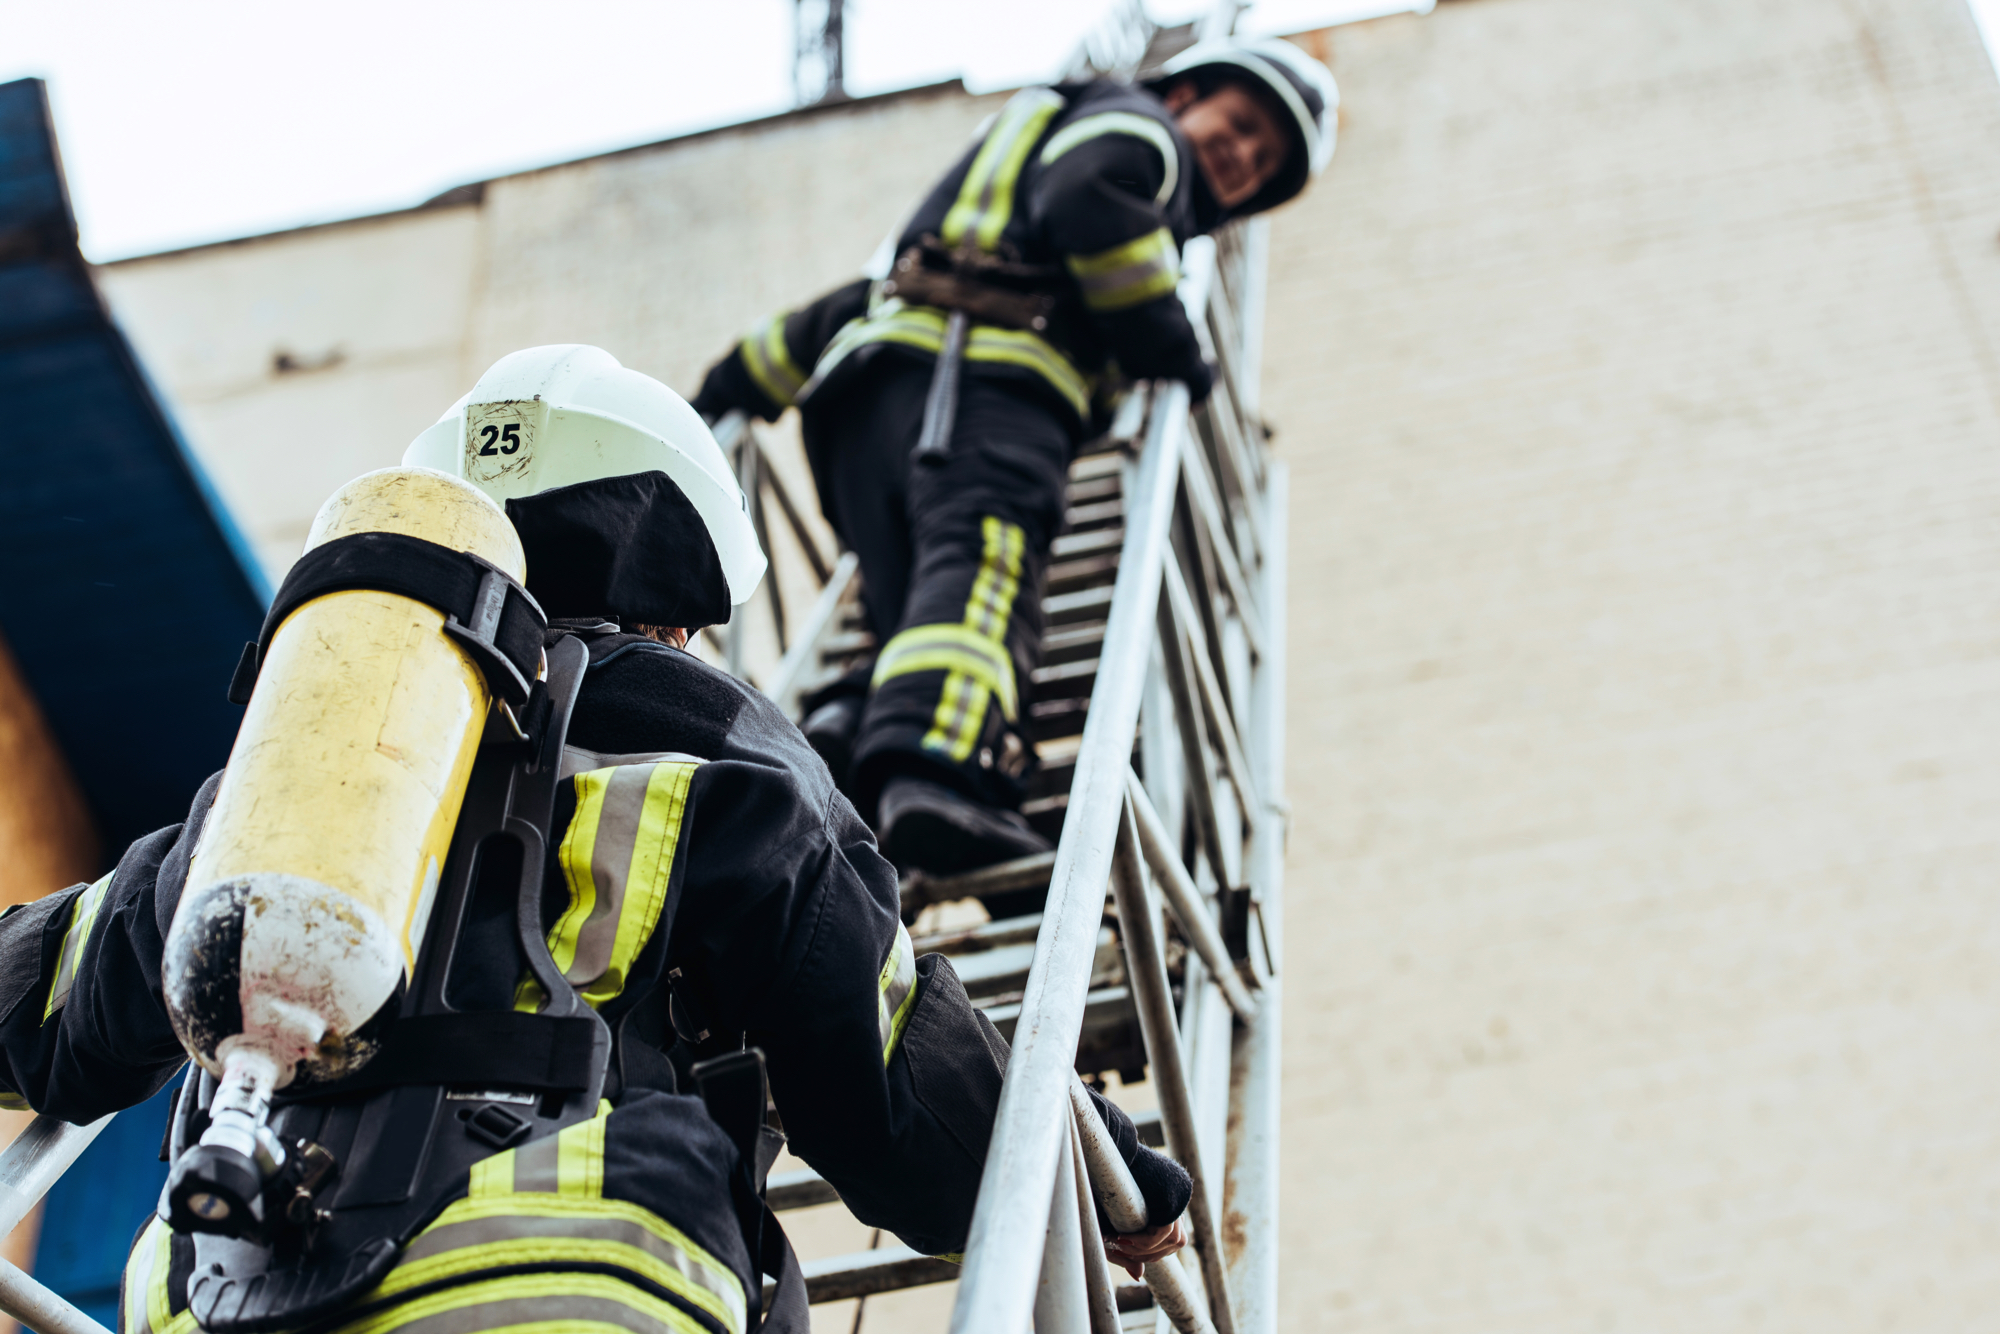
x,y
184,121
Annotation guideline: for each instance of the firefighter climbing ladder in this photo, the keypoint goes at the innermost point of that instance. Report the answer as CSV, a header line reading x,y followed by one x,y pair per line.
x,y
1158,716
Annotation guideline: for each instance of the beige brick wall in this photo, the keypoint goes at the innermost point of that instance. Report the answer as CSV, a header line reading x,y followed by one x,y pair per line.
x,y
1636,375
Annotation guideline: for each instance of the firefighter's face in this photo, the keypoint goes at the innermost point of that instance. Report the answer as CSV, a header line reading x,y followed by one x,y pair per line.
x,y
1236,138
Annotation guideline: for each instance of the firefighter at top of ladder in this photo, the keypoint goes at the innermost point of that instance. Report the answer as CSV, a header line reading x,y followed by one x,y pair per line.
x,y
460,1095
942,402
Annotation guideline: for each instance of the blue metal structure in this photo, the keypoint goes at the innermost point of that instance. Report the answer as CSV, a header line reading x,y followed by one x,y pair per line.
x,y
126,595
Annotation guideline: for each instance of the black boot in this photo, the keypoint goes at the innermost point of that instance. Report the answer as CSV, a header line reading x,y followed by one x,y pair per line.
x,y
831,728
927,827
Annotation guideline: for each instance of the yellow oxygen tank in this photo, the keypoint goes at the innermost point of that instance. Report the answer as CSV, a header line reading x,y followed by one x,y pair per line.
x,y
313,878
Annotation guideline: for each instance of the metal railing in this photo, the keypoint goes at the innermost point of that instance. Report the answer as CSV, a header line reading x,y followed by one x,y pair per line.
x,y
39,1155
1190,676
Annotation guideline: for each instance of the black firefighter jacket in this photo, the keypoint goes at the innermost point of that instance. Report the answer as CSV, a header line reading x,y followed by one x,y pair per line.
x,y
698,832
1093,181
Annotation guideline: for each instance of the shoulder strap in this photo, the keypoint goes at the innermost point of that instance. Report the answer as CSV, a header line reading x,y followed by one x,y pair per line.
x,y
491,616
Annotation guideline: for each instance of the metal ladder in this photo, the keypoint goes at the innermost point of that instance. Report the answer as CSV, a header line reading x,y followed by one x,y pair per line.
x,y
1158,716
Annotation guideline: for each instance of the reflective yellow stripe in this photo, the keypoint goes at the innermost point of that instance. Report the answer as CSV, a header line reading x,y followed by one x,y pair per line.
x,y
898,988
986,197
82,916
768,358
922,327
973,654
1121,122
148,1305
580,1158
492,1176
569,1162
950,648
488,1233
617,858
560,1303
14,1102
1129,274
1018,347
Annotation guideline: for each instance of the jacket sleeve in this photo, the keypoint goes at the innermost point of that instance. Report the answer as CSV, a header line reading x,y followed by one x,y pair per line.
x,y
83,1026
764,372
1100,205
886,1076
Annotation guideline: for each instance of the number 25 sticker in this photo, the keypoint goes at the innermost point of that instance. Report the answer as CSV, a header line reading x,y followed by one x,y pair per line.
x,y
499,439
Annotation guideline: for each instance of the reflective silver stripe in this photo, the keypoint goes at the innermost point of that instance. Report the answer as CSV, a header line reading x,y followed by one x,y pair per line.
x,y
610,861
617,858
499,1231
1129,274
1121,122
82,917
922,327
533,1314
949,648
898,985
535,1166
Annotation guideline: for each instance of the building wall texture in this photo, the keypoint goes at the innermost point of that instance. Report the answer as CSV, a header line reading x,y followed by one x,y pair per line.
x,y
1636,373
1636,367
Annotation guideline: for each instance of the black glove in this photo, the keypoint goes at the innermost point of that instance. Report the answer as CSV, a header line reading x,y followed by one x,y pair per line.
x,y
1163,1182
728,387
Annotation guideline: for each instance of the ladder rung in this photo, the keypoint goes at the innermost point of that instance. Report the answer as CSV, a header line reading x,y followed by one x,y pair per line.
x,y
865,1273
1105,1009
1075,574
1072,641
1094,489
805,1188
798,1190
1078,544
1062,607
1065,678
1080,517
1001,878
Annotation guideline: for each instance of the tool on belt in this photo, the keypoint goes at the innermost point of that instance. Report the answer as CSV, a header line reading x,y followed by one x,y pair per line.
x,y
969,285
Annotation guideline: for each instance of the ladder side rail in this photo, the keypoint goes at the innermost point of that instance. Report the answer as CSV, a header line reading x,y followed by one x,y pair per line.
x,y
1199,570
1003,1253
1211,528
744,457
1212,701
794,517
1062,1296
1253,1185
37,1308
1186,902
1110,1180
1139,932
38,1156
1198,761
1100,1288
787,683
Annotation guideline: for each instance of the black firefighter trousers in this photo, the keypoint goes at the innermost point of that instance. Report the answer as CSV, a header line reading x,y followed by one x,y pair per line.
x,y
952,553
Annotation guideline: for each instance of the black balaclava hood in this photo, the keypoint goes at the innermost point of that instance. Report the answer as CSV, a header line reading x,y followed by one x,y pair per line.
x,y
632,548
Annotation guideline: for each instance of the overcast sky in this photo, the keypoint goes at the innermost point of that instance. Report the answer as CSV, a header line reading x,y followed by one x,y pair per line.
x,y
184,121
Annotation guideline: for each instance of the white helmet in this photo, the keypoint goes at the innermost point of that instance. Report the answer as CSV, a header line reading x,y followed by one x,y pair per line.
x,y
1301,84
571,444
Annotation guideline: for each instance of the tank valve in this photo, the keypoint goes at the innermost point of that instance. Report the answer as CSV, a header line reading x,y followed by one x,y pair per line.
x,y
217,1185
